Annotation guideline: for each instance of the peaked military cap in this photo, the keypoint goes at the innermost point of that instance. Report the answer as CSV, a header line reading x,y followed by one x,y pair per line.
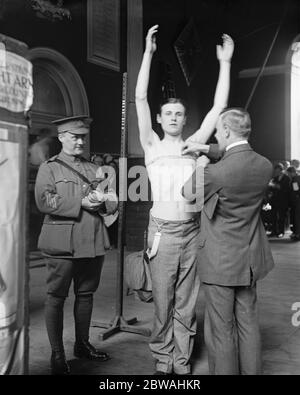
x,y
78,124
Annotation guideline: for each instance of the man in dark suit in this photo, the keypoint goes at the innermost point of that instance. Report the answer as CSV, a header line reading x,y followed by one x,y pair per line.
x,y
233,248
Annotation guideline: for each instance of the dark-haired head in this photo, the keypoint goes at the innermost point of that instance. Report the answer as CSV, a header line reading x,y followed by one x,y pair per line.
x,y
279,166
291,170
172,116
172,100
278,169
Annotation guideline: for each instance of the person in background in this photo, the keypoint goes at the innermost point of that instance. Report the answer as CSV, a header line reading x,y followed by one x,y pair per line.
x,y
97,159
280,189
108,158
286,165
296,164
294,203
43,148
73,238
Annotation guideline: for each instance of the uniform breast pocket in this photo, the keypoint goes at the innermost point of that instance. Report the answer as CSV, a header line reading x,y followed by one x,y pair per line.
x,y
66,187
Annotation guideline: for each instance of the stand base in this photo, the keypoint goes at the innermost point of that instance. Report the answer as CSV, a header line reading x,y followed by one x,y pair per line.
x,y
119,324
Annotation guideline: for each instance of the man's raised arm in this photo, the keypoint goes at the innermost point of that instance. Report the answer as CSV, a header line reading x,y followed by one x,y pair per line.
x,y
142,106
224,55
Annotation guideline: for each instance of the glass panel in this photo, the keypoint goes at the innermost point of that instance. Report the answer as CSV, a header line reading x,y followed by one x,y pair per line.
x,y
47,94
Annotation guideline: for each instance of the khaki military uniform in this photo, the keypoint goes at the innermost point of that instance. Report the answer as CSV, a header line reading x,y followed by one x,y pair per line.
x,y
68,230
74,241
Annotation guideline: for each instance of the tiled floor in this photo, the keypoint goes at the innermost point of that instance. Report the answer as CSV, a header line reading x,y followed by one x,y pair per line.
x,y
130,353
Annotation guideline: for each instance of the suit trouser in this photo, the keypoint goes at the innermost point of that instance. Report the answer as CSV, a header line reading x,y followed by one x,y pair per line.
x,y
231,330
175,287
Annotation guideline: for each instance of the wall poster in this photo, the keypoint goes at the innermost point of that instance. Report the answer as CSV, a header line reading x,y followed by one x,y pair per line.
x,y
16,96
13,152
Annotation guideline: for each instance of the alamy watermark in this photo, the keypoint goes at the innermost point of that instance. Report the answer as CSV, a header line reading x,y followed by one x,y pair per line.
x,y
296,315
167,182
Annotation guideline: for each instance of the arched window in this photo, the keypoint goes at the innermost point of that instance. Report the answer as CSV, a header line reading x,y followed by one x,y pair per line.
x,y
58,88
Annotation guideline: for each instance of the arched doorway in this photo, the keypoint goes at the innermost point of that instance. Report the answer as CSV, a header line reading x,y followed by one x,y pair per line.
x,y
58,92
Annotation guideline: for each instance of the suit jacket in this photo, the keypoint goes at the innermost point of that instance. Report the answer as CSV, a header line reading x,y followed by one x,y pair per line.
x,y
214,154
232,241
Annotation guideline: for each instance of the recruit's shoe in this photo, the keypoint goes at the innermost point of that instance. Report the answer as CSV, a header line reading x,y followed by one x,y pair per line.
x,y
86,350
59,364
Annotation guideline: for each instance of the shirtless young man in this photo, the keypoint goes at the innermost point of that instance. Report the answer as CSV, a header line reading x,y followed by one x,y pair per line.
x,y
174,223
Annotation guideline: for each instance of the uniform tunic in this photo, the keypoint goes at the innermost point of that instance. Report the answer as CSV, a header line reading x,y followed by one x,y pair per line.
x,y
68,230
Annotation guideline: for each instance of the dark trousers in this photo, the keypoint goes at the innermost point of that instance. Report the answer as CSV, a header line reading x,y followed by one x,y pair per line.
x,y
85,274
231,330
295,216
279,214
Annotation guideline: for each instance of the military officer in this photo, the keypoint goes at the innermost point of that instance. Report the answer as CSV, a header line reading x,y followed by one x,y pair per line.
x,y
73,238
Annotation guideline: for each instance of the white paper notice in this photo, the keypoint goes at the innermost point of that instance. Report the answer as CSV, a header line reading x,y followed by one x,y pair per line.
x,y
295,186
16,88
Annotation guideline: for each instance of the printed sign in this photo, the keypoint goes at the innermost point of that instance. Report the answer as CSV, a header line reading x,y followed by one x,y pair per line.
x,y
16,89
13,152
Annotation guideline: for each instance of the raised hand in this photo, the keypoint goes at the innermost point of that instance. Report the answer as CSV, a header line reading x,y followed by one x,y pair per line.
x,y
151,39
225,51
